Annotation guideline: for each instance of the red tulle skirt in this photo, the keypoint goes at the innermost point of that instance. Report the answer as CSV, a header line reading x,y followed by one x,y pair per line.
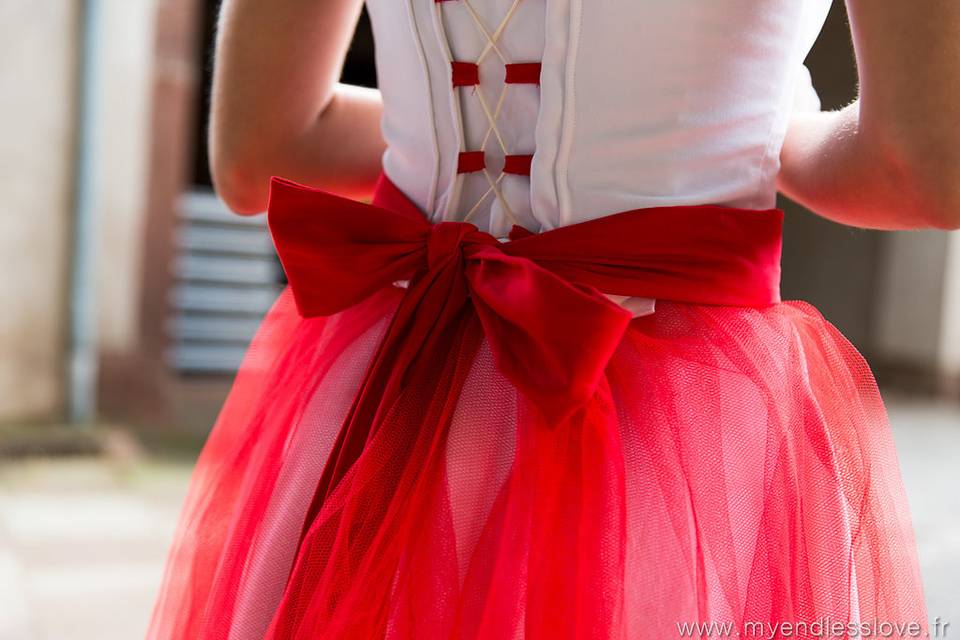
x,y
734,468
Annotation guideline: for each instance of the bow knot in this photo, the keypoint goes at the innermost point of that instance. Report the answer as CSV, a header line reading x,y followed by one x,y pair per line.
x,y
451,240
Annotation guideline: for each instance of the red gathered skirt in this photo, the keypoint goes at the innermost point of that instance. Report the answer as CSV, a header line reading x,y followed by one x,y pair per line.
x,y
376,475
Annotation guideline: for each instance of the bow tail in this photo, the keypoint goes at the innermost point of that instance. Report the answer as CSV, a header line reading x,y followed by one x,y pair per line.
x,y
392,435
550,338
429,323
413,338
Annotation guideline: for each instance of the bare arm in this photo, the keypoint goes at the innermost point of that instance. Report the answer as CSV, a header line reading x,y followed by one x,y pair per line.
x,y
890,160
277,108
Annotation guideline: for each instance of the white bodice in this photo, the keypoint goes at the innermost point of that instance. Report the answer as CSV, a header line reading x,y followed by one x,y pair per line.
x,y
640,103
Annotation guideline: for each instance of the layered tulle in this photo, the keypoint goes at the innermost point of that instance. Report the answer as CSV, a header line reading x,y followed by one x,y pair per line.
x,y
735,467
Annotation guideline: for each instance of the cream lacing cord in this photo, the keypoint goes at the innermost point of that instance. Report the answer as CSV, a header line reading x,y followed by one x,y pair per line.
x,y
490,114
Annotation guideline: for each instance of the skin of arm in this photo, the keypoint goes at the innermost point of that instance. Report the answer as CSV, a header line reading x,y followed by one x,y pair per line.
x,y
278,109
891,159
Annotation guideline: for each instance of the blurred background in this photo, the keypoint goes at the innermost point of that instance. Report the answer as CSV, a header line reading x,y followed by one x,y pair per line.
x,y
128,294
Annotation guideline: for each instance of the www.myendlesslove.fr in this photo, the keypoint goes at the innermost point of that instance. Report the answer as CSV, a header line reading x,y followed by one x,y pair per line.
x,y
820,628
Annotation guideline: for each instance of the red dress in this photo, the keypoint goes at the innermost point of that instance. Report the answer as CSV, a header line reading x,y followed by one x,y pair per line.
x,y
479,476
441,432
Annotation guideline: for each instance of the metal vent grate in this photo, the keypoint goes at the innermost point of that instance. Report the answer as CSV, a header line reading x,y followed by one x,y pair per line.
x,y
226,277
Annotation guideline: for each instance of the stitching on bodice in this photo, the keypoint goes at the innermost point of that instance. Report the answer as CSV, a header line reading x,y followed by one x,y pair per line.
x,y
465,75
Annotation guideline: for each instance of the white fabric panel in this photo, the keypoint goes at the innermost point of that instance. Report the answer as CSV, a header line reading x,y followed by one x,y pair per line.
x,y
642,103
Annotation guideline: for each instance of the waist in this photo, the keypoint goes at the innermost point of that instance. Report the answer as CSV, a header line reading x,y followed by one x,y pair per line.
x,y
536,297
702,254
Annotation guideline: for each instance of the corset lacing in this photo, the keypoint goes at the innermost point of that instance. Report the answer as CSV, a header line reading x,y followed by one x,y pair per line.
x,y
466,74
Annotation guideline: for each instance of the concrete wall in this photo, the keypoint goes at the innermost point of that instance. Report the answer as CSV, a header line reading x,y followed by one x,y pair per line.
x,y
135,385
36,139
918,310
128,71
910,306
949,356
38,103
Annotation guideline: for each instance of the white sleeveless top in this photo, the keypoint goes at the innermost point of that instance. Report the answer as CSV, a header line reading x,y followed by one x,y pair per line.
x,y
640,103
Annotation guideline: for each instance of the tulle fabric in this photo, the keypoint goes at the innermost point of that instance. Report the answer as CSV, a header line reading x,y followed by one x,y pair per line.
x,y
736,467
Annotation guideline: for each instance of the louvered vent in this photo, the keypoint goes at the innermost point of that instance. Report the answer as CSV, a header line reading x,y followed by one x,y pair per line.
x,y
226,277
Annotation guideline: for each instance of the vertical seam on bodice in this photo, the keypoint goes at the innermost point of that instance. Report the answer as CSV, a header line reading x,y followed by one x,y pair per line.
x,y
425,70
784,111
456,182
568,120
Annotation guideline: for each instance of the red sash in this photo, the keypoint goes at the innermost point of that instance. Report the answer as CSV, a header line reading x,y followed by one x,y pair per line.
x,y
537,297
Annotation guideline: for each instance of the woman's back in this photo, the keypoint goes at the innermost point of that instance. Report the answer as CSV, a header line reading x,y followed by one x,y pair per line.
x,y
639,104
439,435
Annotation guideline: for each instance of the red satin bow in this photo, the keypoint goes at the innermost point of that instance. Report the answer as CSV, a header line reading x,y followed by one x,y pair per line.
x,y
551,338
537,297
